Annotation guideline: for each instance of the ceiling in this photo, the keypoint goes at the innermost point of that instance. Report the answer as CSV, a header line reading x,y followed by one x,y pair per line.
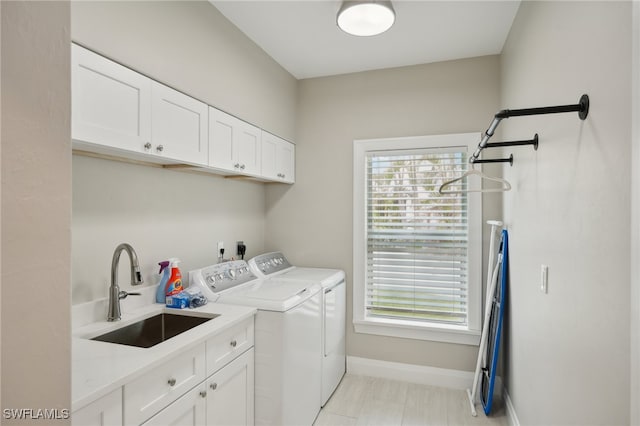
x,y
302,35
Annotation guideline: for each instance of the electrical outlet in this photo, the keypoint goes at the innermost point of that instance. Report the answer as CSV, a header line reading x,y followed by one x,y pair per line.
x,y
220,246
544,279
238,248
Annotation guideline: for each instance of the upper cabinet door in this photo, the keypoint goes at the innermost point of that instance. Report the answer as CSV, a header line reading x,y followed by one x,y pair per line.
x,y
111,104
179,126
286,161
247,148
278,158
222,129
234,145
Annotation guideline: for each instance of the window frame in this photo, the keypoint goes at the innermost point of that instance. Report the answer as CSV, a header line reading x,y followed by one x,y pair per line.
x,y
421,330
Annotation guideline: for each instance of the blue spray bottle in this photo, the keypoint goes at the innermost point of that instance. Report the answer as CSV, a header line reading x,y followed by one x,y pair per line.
x,y
161,291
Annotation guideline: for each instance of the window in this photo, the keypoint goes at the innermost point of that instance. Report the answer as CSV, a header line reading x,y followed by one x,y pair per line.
x,y
417,253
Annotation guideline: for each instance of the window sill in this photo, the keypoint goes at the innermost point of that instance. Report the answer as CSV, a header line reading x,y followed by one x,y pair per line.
x,y
403,329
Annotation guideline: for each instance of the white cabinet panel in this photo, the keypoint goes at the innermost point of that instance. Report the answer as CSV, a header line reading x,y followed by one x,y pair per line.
x,y
159,387
222,128
106,411
248,148
179,126
188,410
227,345
230,396
278,158
234,145
286,161
111,104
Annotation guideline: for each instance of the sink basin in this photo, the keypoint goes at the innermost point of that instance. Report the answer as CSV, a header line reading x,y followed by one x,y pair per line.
x,y
153,330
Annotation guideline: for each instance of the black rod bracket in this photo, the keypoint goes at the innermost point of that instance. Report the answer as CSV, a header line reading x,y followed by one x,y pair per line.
x,y
584,107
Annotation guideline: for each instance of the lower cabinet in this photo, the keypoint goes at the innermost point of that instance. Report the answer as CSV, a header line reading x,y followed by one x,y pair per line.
x,y
188,410
106,411
209,384
156,389
230,393
225,398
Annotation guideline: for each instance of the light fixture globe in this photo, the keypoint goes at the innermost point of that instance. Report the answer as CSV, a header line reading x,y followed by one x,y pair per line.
x,y
366,18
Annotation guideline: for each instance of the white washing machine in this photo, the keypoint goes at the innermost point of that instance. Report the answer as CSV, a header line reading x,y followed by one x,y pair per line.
x,y
333,307
287,338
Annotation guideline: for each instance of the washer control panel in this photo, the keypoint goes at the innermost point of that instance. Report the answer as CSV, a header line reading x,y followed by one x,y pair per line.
x,y
270,263
222,276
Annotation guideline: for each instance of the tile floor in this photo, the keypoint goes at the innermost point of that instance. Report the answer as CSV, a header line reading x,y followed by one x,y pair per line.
x,y
361,400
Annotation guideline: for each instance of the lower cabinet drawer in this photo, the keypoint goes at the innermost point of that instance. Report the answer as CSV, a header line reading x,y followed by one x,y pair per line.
x,y
189,410
227,345
158,388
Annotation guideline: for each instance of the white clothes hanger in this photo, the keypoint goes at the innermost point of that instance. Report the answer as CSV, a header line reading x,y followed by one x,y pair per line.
x,y
506,186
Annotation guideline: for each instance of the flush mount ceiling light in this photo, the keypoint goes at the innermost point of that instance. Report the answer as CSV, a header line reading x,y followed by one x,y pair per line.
x,y
366,18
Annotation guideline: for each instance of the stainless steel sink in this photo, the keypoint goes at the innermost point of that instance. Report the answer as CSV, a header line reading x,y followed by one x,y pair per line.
x,y
153,330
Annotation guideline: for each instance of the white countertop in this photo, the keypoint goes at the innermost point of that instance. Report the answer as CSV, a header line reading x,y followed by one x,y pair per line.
x,y
99,368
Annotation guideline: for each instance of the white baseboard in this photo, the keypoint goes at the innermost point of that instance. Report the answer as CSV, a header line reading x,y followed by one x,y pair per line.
x,y
421,374
512,418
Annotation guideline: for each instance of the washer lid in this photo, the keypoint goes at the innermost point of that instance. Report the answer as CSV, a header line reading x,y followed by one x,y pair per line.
x,y
321,276
271,295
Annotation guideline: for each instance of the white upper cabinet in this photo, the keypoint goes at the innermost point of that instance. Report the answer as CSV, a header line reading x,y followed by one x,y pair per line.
x,y
179,126
121,113
278,158
234,145
120,109
111,104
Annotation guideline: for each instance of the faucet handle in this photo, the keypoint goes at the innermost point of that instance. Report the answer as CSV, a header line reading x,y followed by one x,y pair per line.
x,y
123,294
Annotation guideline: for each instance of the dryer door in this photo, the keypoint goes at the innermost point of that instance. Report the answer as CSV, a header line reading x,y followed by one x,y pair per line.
x,y
333,338
334,317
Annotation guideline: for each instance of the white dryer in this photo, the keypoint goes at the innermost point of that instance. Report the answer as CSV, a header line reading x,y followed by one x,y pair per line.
x,y
287,338
333,310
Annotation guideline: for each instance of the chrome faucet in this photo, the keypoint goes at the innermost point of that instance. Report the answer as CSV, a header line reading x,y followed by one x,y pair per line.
x,y
115,294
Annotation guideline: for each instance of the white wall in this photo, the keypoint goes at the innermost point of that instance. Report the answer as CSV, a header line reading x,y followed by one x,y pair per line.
x,y
311,221
568,350
36,207
190,46
635,220
162,214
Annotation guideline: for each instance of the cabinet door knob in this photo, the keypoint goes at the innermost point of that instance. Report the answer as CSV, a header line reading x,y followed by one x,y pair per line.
x,y
147,146
213,386
171,382
160,148
203,394
242,167
233,343
236,165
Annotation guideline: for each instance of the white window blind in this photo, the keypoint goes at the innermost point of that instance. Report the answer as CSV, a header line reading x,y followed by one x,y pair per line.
x,y
417,240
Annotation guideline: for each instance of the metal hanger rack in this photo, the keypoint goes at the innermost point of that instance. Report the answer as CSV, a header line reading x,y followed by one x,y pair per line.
x,y
582,108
